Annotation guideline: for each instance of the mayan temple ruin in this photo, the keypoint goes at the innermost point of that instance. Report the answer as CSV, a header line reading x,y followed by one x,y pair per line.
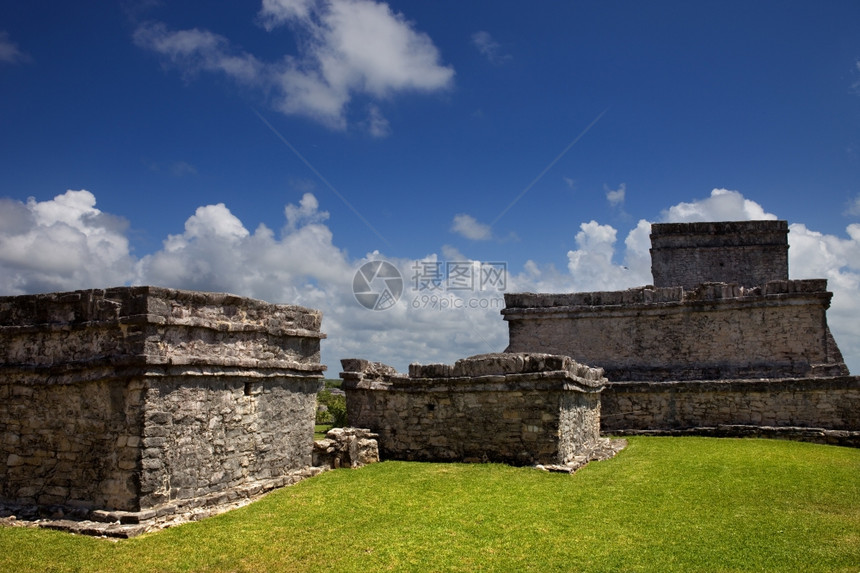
x,y
515,408
722,341
125,406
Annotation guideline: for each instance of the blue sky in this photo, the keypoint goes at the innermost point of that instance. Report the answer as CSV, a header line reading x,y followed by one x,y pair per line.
x,y
270,149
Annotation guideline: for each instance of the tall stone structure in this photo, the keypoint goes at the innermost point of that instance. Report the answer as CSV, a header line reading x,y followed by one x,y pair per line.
x,y
722,338
745,253
139,402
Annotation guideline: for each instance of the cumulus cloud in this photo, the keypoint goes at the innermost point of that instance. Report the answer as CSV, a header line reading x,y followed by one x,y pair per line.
x,y
217,252
61,244
489,47
592,266
67,243
722,205
9,51
348,48
469,227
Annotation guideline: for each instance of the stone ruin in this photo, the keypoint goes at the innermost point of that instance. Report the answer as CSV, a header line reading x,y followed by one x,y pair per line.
x,y
126,408
520,409
123,407
723,343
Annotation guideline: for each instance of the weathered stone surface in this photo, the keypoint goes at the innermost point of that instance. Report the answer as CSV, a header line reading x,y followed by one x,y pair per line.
x,y
130,399
346,448
831,403
521,409
687,353
778,330
747,253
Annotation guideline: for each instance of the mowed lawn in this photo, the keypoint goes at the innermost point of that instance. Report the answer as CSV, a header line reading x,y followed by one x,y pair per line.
x,y
663,504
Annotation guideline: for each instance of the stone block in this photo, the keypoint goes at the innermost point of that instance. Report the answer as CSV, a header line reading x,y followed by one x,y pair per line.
x,y
113,397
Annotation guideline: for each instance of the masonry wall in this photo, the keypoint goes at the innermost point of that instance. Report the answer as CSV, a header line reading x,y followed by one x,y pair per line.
x,y
830,403
716,331
71,444
747,253
215,434
139,398
517,409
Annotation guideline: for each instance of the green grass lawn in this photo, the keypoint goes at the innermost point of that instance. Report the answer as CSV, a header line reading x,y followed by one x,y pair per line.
x,y
320,430
663,504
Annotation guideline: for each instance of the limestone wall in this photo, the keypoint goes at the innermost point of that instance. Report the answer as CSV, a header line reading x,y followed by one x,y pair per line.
x,y
829,403
139,398
218,433
516,408
70,444
748,253
716,331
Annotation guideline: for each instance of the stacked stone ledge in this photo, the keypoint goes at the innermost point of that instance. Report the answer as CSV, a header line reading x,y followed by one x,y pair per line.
x,y
521,409
141,403
714,331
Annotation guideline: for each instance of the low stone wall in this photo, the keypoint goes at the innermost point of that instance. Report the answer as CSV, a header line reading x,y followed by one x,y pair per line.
x,y
150,401
715,331
522,409
822,403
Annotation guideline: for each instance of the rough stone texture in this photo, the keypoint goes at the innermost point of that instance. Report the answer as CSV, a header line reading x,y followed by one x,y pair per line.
x,y
153,401
125,524
522,409
844,438
831,403
346,448
716,331
747,253
690,355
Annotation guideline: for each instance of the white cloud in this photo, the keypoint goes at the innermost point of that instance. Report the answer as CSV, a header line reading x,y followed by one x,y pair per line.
x,y
722,205
591,266
217,252
307,212
349,47
61,244
9,51
197,50
66,243
489,47
277,12
816,255
469,227
616,196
